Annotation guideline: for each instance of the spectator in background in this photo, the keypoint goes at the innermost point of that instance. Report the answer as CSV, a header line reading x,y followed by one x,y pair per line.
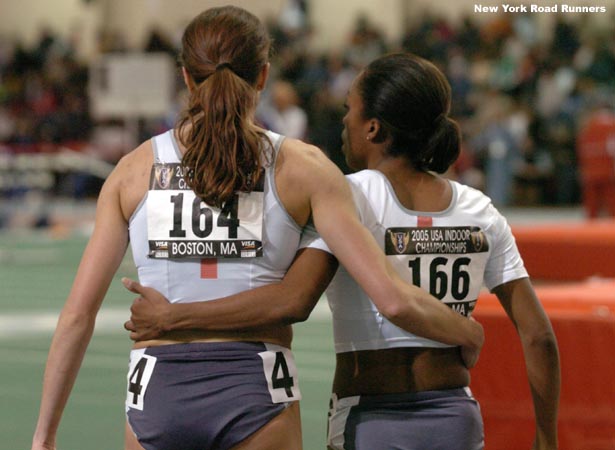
x,y
497,147
280,112
596,153
293,20
341,75
461,84
555,83
565,38
366,43
159,42
534,172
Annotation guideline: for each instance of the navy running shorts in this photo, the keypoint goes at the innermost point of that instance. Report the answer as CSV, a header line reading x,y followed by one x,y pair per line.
x,y
210,395
431,420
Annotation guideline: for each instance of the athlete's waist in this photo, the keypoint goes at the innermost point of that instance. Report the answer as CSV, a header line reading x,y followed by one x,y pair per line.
x,y
385,343
367,330
399,370
275,335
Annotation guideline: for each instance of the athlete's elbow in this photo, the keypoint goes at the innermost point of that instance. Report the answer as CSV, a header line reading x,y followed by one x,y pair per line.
x,y
289,316
544,342
297,315
76,321
393,298
298,308
395,310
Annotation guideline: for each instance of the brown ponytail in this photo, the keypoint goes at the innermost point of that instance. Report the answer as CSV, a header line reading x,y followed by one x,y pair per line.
x,y
223,51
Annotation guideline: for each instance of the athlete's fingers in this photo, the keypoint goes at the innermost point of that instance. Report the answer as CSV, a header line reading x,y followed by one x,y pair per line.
x,y
132,285
134,305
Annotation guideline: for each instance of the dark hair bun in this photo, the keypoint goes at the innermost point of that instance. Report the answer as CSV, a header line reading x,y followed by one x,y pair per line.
x,y
442,147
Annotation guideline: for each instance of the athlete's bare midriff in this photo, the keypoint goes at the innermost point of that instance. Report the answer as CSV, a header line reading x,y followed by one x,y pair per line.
x,y
397,370
274,335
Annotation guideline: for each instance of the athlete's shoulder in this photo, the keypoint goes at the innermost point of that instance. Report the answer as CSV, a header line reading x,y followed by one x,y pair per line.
x,y
136,161
302,150
301,160
477,204
470,195
132,171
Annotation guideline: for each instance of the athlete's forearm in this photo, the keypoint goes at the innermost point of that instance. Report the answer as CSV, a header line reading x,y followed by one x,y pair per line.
x,y
265,306
282,303
68,347
423,315
543,370
101,258
540,352
440,323
288,301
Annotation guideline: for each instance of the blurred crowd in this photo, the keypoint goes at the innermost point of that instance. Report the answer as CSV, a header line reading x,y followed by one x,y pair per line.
x,y
519,97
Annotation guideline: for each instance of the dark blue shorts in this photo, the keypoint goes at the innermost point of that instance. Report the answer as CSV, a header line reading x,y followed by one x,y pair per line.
x,y
204,396
431,420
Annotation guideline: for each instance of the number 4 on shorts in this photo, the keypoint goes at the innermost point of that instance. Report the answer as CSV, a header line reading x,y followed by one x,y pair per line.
x,y
139,374
280,378
281,374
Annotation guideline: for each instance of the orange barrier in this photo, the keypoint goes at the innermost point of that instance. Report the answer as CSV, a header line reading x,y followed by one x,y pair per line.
x,y
583,317
568,252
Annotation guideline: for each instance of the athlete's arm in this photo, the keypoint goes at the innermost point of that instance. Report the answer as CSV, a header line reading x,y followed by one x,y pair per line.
x,y
541,355
288,301
336,219
100,260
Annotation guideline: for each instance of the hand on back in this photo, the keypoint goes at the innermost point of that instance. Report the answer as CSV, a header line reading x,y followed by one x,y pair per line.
x,y
148,312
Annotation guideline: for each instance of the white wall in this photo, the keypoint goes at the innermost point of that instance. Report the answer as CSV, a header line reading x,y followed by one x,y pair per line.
x,y
333,19
23,19
135,17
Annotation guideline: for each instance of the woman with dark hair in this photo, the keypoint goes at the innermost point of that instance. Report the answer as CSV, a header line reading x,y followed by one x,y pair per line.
x,y
393,387
212,208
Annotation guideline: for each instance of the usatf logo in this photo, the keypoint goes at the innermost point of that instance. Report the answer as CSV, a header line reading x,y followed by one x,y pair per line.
x,y
400,240
478,240
163,176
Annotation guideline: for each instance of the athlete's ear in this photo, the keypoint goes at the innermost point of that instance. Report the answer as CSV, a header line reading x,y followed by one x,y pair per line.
x,y
373,130
187,79
262,77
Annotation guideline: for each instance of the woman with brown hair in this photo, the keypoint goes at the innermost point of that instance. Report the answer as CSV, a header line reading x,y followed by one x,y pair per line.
x,y
212,208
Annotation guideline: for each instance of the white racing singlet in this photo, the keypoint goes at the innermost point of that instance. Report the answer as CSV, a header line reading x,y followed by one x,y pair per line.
x,y
450,254
190,251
